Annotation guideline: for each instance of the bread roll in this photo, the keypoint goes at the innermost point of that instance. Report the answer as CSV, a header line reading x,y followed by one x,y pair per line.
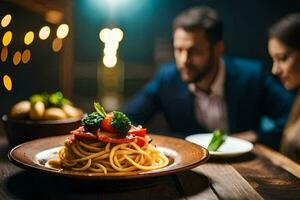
x,y
54,114
20,110
71,111
37,111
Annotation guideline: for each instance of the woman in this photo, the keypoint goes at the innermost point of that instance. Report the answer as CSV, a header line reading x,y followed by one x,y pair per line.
x,y
284,48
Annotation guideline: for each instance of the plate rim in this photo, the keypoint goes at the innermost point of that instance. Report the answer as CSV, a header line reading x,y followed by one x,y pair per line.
x,y
225,154
42,169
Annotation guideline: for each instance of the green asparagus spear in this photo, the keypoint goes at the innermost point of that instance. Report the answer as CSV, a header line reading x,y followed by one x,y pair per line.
x,y
217,140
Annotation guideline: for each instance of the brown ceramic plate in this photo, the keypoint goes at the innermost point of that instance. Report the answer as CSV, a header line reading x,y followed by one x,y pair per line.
x,y
183,155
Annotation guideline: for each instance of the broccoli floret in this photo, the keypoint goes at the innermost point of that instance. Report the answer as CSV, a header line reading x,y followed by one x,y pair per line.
x,y
92,121
121,122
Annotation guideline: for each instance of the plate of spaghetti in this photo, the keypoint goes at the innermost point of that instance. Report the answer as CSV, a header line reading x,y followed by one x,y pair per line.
x,y
108,146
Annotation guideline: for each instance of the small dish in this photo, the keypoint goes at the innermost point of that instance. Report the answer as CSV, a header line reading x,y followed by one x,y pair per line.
x,y
230,148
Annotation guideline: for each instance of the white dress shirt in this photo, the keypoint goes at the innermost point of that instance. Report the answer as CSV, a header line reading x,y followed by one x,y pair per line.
x,y
210,109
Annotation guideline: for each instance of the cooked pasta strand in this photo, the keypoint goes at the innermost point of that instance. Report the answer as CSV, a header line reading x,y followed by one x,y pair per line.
x,y
101,158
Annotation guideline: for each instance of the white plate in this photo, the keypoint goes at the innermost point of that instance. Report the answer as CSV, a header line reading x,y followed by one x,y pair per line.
x,y
230,148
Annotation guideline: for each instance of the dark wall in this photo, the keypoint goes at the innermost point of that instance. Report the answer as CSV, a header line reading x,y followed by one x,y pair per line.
x,y
246,23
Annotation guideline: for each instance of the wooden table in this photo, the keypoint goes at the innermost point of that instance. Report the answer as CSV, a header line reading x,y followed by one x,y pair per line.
x,y
261,174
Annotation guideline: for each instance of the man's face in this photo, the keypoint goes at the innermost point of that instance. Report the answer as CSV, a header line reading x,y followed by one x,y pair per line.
x,y
193,55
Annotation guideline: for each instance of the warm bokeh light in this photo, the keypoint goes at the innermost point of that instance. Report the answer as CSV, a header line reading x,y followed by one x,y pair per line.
x,y
111,39
4,54
110,51
44,32
6,20
54,16
112,44
17,58
107,35
109,61
104,34
7,38
62,31
117,34
29,37
7,82
56,44
26,56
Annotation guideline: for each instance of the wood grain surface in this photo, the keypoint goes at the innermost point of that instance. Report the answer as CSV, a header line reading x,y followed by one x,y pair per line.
x,y
261,174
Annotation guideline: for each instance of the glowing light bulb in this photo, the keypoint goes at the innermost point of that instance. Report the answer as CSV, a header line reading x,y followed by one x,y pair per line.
x,y
56,44
7,82
109,61
104,34
117,34
62,31
109,51
7,38
26,55
4,54
44,32
29,37
17,58
6,20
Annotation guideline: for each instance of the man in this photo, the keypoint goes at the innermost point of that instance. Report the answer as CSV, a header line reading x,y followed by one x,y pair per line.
x,y
204,91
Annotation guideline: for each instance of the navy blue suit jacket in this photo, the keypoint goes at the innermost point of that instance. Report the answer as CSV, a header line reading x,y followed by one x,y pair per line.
x,y
249,95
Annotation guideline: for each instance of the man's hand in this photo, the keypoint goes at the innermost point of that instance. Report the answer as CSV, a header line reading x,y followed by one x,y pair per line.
x,y
250,136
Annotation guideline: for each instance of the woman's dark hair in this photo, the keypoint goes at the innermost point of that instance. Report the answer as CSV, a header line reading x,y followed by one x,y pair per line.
x,y
287,30
201,18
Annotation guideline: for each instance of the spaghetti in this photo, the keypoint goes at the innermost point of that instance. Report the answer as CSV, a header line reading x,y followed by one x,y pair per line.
x,y
83,155
108,142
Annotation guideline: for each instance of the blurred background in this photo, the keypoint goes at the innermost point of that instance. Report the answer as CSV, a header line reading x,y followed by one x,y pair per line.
x,y
106,50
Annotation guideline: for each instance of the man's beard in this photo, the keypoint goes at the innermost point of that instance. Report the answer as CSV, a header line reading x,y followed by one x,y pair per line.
x,y
207,68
